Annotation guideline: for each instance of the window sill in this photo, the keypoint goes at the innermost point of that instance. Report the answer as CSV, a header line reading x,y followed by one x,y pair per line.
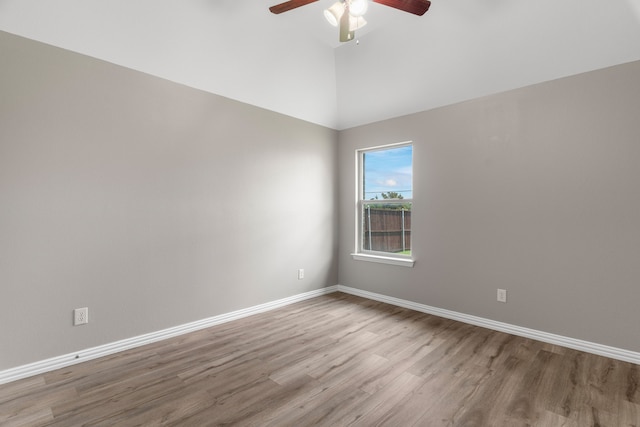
x,y
403,262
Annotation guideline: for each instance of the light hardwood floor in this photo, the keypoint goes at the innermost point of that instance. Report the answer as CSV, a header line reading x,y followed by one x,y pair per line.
x,y
335,360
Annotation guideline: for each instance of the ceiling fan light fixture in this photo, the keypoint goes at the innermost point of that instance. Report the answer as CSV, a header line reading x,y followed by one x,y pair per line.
x,y
346,34
347,14
355,23
358,8
334,13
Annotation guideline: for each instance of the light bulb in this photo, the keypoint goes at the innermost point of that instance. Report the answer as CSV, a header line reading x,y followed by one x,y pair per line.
x,y
358,7
355,23
334,13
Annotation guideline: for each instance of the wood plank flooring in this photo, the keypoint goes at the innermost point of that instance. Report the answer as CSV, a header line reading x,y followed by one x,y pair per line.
x,y
335,360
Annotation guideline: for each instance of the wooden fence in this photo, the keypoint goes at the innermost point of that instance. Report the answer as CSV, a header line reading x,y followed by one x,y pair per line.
x,y
386,230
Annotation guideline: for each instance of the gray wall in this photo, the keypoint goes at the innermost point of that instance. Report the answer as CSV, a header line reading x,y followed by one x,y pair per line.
x,y
155,205
534,190
149,202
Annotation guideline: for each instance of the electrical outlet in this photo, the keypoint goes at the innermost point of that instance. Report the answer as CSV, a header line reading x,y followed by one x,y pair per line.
x,y
502,295
80,316
301,274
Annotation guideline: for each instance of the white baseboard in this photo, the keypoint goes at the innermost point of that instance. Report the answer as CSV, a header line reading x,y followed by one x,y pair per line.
x,y
47,365
58,362
586,346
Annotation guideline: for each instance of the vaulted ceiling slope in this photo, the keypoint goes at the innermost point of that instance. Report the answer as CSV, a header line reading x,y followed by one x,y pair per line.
x,y
293,63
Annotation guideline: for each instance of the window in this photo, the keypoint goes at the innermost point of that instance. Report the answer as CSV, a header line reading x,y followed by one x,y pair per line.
x,y
385,201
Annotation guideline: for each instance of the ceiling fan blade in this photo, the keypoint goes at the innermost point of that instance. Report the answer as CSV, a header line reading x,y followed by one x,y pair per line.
x,y
417,7
288,5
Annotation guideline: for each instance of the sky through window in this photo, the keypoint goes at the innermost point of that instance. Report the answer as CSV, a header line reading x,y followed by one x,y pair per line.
x,y
388,170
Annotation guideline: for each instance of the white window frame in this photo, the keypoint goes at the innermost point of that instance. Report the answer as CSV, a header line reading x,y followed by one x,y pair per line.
x,y
362,254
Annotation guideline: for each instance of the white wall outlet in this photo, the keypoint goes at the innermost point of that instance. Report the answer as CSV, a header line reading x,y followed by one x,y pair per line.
x,y
80,316
502,295
300,273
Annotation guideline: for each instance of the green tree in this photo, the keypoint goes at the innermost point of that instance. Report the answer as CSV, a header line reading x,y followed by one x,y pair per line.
x,y
391,195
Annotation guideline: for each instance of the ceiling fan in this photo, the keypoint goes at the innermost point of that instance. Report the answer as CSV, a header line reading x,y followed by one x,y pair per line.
x,y
348,14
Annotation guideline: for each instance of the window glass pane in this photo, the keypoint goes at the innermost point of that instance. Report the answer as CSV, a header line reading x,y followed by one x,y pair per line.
x,y
386,227
386,200
387,173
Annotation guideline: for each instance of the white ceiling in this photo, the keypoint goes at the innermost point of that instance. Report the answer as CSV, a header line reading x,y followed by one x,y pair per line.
x,y
293,64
